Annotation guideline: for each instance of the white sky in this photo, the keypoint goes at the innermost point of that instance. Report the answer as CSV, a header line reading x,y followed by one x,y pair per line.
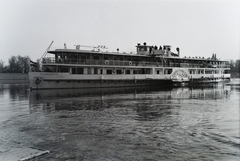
x,y
198,28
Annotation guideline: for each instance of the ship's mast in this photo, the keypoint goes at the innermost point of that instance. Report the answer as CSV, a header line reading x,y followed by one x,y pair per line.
x,y
44,54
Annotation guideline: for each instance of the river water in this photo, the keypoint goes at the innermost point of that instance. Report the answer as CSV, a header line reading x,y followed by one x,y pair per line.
x,y
175,123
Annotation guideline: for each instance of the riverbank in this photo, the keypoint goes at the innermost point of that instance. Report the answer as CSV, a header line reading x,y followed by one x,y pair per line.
x,y
14,78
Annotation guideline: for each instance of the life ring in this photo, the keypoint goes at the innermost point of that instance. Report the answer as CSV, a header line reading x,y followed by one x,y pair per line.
x,y
130,62
106,62
37,81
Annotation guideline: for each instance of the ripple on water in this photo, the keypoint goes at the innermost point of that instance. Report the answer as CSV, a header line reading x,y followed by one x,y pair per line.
x,y
197,123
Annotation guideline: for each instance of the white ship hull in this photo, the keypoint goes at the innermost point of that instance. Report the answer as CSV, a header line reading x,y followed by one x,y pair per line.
x,y
50,80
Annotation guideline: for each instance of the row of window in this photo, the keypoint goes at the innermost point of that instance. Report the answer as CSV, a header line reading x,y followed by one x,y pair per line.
x,y
107,71
87,56
201,71
130,71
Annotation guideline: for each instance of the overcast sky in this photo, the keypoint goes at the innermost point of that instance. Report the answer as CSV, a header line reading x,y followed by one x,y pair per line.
x,y
198,28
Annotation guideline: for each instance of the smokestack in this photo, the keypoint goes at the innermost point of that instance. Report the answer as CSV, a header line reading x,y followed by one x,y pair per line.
x,y
178,50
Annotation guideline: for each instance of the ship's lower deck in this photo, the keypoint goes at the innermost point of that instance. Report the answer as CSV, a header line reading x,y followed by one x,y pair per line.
x,y
74,84
44,80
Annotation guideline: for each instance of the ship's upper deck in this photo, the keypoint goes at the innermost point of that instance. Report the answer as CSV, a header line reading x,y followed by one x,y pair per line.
x,y
142,51
146,56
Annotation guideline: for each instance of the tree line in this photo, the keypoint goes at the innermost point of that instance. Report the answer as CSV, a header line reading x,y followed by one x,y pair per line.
x,y
235,66
16,64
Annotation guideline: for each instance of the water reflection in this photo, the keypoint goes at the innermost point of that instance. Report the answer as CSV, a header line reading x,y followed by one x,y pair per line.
x,y
16,91
95,98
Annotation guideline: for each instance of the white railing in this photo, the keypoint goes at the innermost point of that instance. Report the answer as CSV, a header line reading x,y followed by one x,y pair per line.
x,y
126,63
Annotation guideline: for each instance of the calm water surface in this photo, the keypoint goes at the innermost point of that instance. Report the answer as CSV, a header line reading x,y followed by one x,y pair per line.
x,y
186,123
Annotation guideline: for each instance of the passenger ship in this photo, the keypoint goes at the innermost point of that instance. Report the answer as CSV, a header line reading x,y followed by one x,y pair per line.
x,y
85,67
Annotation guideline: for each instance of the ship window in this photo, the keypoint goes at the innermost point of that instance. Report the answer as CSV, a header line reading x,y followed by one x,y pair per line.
x,y
80,70
119,71
157,71
191,71
127,71
148,71
167,71
95,57
74,71
208,72
139,71
83,57
199,71
109,71
226,71
75,56
128,58
64,70
95,70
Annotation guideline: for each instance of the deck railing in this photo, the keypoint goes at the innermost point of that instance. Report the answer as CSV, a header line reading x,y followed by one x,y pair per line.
x,y
128,63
